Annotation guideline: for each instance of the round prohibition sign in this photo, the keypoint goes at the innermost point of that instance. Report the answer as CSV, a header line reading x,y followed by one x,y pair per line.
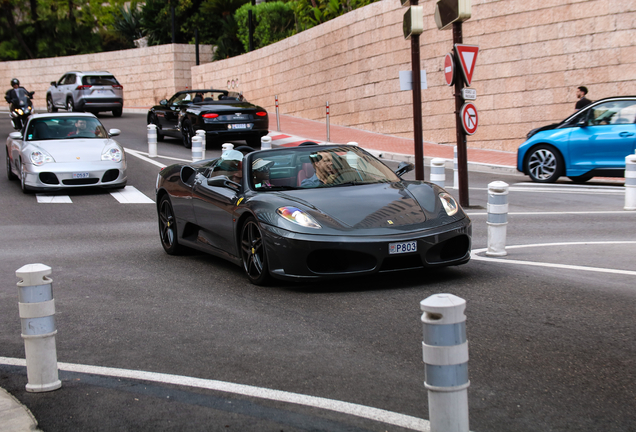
x,y
470,118
449,69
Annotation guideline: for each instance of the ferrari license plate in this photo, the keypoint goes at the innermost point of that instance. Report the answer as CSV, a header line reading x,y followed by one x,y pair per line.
x,y
80,175
239,126
403,247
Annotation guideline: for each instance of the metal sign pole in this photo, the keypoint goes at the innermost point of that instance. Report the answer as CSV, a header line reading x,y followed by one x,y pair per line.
x,y
462,156
417,105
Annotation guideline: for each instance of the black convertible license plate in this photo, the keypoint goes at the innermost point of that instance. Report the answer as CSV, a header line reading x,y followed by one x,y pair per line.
x,y
240,126
402,247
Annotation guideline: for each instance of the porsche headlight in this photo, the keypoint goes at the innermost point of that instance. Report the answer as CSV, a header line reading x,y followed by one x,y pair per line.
x,y
449,203
40,158
297,216
112,154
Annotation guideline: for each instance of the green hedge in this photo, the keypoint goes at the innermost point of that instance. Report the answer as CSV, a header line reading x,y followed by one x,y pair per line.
x,y
273,21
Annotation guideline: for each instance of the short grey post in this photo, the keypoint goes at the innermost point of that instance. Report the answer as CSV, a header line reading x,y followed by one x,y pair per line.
x,y
37,316
438,172
152,140
197,148
445,351
328,139
201,133
497,218
630,182
277,116
266,142
455,169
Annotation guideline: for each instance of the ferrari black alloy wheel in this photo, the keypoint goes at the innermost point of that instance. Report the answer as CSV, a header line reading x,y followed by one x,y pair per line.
x,y
186,132
253,253
168,228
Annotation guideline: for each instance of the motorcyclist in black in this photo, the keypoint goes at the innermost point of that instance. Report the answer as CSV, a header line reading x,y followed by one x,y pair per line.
x,y
18,97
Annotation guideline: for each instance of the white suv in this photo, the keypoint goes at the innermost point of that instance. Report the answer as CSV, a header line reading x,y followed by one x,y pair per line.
x,y
86,91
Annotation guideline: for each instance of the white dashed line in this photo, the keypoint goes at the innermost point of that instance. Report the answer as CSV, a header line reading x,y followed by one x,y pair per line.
x,y
53,199
375,414
131,195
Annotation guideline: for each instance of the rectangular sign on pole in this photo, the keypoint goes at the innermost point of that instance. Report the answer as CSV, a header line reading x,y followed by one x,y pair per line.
x,y
406,80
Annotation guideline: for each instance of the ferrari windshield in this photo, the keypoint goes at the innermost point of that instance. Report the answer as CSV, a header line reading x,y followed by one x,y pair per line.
x,y
56,128
316,167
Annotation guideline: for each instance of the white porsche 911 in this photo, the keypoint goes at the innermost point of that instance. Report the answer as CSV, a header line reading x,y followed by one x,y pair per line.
x,y
65,150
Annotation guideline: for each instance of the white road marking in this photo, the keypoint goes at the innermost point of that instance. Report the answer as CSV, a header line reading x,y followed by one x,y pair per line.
x,y
53,199
474,256
371,413
140,156
626,212
130,195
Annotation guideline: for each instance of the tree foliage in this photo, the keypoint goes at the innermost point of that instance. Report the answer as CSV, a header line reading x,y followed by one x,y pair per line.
x,y
273,21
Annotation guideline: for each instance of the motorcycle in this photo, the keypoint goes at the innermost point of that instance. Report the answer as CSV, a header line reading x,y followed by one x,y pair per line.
x,y
20,107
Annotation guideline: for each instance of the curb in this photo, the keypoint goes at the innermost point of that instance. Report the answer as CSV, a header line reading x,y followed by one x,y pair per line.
x,y
14,416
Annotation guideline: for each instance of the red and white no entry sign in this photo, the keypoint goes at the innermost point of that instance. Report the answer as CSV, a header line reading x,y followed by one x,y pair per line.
x,y
449,69
470,118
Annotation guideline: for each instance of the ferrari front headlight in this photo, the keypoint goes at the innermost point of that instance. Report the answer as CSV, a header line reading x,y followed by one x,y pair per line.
x,y
40,158
297,216
449,203
112,154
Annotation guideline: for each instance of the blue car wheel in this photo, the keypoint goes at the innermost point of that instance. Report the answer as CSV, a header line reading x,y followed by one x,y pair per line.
x,y
544,164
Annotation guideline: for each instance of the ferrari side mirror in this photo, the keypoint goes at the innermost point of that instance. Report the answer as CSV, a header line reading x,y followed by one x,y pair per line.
x,y
403,168
224,182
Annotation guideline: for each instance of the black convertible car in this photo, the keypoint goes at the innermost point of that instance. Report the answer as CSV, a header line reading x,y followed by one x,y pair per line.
x,y
309,212
221,114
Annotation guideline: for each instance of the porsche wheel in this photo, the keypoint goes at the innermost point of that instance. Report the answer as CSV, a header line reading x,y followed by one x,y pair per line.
x,y
253,253
544,164
10,174
186,132
168,228
25,188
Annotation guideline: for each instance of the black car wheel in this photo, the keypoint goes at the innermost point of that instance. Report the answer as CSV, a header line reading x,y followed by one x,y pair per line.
x,y
10,174
70,106
544,164
253,253
117,112
168,228
25,188
254,142
186,133
582,178
49,105
153,120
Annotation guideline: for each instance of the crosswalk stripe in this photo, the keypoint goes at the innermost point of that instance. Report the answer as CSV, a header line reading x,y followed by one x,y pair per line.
x,y
53,199
130,195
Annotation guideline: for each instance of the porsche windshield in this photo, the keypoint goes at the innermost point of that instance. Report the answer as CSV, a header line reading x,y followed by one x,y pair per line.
x,y
316,167
58,128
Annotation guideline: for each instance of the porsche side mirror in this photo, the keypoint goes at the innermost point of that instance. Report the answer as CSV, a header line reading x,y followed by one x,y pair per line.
x,y
163,102
223,181
114,132
15,135
403,168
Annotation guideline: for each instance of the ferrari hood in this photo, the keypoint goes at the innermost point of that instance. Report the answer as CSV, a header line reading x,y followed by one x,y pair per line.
x,y
385,205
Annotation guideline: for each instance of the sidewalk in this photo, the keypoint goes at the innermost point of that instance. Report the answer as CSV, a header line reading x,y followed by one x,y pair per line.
x,y
15,417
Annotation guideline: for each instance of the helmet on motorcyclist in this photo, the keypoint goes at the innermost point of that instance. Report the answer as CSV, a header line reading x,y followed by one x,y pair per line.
x,y
15,81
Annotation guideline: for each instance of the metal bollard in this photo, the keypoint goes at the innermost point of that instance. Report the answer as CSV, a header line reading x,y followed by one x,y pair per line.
x,y
328,139
152,140
37,316
630,182
201,133
226,147
197,148
438,172
445,353
497,218
277,117
266,142
455,169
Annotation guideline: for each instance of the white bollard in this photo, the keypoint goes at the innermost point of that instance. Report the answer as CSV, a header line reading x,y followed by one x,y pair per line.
x,y
266,142
37,316
152,140
226,147
438,172
197,148
497,218
201,133
455,169
445,353
630,182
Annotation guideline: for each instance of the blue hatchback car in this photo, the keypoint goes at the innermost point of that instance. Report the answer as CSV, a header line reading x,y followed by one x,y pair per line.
x,y
591,142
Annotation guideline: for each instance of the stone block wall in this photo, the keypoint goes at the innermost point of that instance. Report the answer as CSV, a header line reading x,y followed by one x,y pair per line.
x,y
147,74
533,55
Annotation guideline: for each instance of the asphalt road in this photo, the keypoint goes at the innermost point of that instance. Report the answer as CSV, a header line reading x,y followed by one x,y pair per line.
x,y
552,345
